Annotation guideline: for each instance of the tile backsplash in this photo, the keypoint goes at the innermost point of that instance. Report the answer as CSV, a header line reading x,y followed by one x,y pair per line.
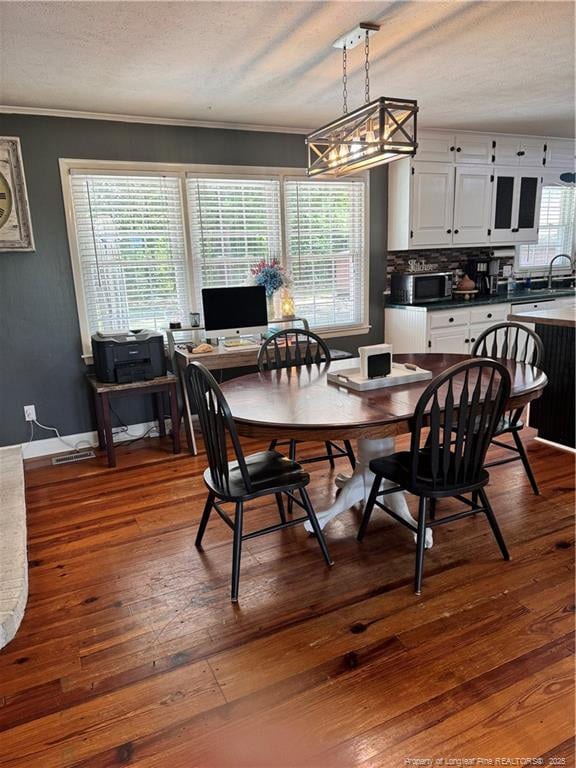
x,y
443,259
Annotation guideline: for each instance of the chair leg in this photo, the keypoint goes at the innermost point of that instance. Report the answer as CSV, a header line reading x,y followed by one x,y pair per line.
x,y
489,512
432,509
280,502
315,525
526,463
420,545
292,457
369,507
350,453
475,499
330,454
273,444
204,519
237,550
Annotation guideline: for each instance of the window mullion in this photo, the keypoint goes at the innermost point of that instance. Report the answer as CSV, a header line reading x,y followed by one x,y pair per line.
x,y
188,247
284,259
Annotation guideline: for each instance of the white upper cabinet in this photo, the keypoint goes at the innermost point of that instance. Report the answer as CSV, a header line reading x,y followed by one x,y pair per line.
x,y
470,148
438,147
515,205
560,154
506,150
528,209
532,152
518,150
472,205
465,148
504,205
471,189
432,204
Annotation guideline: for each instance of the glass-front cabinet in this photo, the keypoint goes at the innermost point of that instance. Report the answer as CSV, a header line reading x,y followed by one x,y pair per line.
x,y
515,204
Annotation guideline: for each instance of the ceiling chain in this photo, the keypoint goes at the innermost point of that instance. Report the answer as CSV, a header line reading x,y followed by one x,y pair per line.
x,y
367,68
344,81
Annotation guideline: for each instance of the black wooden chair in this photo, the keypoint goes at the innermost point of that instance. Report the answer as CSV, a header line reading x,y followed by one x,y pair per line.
x,y
511,341
267,473
467,399
293,348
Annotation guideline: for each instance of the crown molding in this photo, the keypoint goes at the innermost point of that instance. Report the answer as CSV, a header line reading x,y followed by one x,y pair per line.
x,y
112,117
116,118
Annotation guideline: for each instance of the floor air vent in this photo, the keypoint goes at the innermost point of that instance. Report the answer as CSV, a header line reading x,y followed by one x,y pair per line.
x,y
71,458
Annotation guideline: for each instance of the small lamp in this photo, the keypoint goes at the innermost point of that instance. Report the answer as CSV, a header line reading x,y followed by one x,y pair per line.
x,y
287,305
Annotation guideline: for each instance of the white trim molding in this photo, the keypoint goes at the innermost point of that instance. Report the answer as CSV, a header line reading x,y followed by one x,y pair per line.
x,y
113,117
83,441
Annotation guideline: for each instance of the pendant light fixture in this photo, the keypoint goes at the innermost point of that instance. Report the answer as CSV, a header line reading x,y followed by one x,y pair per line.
x,y
378,132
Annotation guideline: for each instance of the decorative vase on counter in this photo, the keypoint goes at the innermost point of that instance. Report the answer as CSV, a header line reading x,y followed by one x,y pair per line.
x,y
271,307
272,276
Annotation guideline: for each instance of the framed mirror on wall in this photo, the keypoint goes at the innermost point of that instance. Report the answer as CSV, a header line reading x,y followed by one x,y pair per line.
x,y
15,225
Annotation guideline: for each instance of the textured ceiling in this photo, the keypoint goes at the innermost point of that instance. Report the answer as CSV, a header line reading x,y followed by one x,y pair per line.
x,y
506,66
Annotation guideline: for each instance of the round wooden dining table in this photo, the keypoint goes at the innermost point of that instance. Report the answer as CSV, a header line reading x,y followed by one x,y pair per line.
x,y
302,404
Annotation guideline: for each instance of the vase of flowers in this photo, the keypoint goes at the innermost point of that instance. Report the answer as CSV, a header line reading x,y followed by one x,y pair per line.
x,y
273,276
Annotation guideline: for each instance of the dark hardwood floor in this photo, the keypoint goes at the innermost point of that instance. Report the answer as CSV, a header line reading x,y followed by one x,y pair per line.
x,y
130,652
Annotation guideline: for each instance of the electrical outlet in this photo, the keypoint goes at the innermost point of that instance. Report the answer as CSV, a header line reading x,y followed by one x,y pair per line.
x,y
30,412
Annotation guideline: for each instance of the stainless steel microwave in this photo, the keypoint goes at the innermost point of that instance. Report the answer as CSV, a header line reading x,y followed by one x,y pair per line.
x,y
417,287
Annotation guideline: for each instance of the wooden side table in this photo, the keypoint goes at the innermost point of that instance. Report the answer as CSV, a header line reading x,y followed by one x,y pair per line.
x,y
103,393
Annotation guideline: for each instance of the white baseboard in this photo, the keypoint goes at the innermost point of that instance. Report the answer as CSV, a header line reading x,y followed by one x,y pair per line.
x,y
84,440
556,445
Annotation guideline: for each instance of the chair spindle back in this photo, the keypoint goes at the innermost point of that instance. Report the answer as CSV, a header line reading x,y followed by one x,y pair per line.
x,y
292,348
217,426
462,408
510,341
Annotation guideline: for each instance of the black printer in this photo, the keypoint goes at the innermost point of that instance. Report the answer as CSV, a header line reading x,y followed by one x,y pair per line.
x,y
128,356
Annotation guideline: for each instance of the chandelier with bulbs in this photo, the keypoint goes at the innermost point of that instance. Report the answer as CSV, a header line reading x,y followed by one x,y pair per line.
x,y
378,132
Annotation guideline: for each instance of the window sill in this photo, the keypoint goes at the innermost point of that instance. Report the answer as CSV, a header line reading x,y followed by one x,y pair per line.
x,y
333,333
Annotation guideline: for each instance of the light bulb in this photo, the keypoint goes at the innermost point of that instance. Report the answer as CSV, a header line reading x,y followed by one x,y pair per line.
x,y
371,142
371,139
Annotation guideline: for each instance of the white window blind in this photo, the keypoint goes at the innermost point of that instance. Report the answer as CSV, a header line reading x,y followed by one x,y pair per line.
x,y
556,230
131,251
234,223
325,223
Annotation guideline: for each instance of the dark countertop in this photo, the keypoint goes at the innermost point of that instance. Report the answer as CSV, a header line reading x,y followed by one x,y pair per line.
x,y
519,297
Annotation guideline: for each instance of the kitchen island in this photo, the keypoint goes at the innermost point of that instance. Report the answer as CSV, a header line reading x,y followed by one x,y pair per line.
x,y
553,414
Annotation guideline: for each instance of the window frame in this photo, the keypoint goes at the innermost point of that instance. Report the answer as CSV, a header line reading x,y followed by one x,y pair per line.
x,y
363,326
549,179
184,171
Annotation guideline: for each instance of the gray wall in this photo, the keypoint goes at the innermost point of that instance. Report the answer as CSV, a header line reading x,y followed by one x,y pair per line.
x,y
40,347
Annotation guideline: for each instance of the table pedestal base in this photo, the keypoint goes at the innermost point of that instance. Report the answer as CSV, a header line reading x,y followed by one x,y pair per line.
x,y
357,488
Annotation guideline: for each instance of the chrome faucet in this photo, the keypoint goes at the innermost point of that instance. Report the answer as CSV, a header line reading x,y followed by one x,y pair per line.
x,y
559,256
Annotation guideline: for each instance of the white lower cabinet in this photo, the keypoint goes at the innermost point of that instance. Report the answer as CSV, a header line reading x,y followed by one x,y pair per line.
x,y
529,306
452,331
476,331
442,331
449,340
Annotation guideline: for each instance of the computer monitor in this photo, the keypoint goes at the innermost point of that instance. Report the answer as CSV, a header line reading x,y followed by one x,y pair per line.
x,y
238,311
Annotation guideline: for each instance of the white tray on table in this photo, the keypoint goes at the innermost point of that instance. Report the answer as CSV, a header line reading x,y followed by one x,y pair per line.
x,y
352,378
